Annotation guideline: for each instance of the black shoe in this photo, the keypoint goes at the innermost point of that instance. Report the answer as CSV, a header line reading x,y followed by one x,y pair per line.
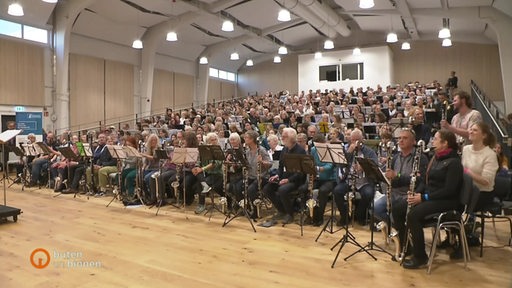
x,y
457,254
318,223
415,263
445,244
69,191
287,219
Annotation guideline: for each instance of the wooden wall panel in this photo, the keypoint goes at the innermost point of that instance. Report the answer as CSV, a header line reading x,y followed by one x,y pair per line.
x,y
163,90
183,90
428,61
227,90
118,91
214,90
21,73
86,90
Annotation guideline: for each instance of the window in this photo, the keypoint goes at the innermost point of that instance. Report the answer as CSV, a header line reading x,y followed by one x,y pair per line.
x,y
10,28
330,73
221,74
231,76
35,34
214,72
352,71
23,31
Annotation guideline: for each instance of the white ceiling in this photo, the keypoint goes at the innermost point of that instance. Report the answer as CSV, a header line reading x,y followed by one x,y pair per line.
x,y
122,21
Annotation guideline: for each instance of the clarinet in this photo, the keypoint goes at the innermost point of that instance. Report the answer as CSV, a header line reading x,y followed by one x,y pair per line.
x,y
391,235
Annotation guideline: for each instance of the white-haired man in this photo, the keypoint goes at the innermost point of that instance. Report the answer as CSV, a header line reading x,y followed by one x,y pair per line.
x,y
281,186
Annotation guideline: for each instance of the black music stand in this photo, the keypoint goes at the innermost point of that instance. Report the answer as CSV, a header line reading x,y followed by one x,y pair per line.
x,y
160,155
372,172
119,154
7,211
305,164
335,154
211,153
240,159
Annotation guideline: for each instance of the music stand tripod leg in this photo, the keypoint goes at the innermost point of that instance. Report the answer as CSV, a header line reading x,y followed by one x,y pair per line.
x,y
350,239
241,213
329,222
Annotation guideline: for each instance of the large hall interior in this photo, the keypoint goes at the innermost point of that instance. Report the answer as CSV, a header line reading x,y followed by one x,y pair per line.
x,y
235,143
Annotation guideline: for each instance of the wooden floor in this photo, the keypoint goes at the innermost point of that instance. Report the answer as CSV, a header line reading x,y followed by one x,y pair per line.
x,y
135,248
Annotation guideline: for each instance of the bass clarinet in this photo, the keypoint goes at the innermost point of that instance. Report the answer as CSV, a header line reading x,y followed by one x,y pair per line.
x,y
420,148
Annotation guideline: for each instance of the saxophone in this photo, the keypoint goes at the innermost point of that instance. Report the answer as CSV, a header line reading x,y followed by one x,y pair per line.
x,y
349,197
223,200
176,184
311,203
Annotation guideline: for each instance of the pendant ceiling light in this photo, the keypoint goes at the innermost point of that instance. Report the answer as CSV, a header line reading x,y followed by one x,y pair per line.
x,y
172,36
277,59
249,62
15,9
445,31
356,51
328,44
447,42
137,44
282,50
234,56
392,37
227,26
406,46
318,55
366,4
284,15
203,60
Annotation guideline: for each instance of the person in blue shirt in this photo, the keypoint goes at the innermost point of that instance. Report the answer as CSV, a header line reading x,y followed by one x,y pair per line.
x,y
324,182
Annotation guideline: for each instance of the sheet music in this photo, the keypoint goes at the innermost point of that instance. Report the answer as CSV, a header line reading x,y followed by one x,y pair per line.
x,y
8,135
331,153
116,151
131,152
185,155
28,149
87,149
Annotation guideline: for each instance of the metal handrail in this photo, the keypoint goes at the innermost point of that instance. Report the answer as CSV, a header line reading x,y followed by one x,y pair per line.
x,y
483,99
132,118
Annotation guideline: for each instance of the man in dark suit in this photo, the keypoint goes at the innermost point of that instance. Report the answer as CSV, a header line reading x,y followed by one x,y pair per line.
x,y
281,186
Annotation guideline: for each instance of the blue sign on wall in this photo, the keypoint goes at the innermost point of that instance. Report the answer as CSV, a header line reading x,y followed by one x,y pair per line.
x,y
30,122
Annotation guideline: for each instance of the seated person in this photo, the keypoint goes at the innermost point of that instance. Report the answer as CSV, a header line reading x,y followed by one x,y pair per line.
x,y
209,174
443,185
362,184
281,186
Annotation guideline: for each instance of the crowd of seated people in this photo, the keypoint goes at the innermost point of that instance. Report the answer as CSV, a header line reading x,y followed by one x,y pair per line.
x,y
266,128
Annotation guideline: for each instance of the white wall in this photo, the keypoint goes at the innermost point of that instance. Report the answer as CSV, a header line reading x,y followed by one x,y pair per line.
x,y
378,68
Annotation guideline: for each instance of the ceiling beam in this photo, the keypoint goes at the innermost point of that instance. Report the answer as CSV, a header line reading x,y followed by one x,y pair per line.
x,y
410,24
